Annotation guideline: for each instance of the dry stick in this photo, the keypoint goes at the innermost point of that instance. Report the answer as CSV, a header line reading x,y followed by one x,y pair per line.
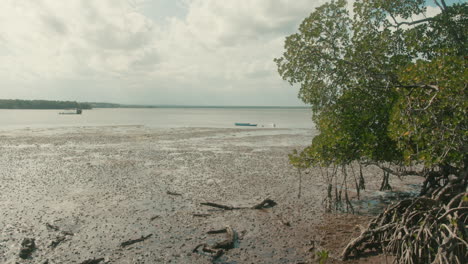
x,y
201,215
267,203
218,248
53,227
173,193
133,241
155,217
221,206
93,261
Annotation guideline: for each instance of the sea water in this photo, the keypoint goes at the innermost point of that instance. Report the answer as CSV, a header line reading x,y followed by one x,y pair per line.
x,y
159,117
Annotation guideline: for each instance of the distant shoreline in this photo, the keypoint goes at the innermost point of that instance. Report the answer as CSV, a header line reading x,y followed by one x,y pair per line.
x,y
211,107
53,105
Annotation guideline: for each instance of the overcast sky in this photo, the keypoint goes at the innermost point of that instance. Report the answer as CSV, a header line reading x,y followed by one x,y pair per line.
x,y
178,52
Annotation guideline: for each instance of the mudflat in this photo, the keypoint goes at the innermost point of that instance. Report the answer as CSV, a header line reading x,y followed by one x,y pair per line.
x,y
132,194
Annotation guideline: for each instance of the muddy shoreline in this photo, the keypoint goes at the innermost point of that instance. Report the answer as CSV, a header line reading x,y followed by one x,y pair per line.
x,y
81,192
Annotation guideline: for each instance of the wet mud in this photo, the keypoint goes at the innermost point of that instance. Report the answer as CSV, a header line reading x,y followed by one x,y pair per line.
x,y
81,193
132,194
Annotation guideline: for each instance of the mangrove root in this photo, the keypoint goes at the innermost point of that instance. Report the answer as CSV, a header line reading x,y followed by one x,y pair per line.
x,y
419,230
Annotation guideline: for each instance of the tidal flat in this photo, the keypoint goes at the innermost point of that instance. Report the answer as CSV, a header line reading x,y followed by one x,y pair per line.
x,y
81,192
133,194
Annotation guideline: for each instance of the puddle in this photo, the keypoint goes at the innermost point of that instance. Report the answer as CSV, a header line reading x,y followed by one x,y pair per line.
x,y
375,203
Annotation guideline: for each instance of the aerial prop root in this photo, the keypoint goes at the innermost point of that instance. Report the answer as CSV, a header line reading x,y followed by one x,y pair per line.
x,y
418,230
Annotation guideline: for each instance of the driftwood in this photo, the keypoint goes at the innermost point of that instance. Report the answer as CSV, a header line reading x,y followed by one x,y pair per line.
x,y
173,193
224,207
92,261
201,215
57,241
267,203
155,217
28,246
52,227
133,241
56,228
218,249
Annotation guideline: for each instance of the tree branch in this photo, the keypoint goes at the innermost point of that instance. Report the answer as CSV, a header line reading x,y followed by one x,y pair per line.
x,y
438,4
425,86
398,24
443,4
397,173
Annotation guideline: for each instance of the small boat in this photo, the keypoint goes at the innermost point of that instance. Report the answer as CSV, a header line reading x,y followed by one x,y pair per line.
x,y
74,112
245,124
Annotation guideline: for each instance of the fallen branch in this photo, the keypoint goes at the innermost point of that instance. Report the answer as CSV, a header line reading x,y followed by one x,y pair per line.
x,y
57,241
173,193
28,246
155,217
53,227
218,249
267,203
56,228
92,261
201,215
220,206
133,241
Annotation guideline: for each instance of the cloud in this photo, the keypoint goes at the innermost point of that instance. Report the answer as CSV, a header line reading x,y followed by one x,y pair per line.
x,y
129,51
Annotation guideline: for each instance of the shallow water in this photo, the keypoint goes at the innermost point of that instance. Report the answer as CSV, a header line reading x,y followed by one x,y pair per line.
x,y
159,118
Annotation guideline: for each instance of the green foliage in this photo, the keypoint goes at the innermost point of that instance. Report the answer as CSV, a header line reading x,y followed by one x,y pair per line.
x,y
323,256
383,87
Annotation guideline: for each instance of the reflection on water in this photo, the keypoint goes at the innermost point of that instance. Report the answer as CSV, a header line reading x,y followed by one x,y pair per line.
x,y
374,204
159,117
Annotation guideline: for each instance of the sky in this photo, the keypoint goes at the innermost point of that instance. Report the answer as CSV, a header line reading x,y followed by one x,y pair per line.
x,y
159,52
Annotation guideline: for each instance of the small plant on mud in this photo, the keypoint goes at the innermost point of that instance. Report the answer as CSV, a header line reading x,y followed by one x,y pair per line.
x,y
322,256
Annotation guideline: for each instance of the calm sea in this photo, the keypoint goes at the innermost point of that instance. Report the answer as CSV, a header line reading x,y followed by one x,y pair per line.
x,y
159,117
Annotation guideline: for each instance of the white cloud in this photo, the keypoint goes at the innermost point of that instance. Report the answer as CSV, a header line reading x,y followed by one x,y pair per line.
x,y
218,51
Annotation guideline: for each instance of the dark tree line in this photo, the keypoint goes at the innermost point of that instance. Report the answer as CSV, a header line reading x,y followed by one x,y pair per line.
x,y
42,104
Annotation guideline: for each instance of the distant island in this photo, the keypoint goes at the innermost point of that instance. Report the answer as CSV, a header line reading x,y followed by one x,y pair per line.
x,y
42,104
48,104
114,105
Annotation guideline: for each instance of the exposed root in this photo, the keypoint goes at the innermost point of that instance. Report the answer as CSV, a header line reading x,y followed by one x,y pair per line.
x,y
420,230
